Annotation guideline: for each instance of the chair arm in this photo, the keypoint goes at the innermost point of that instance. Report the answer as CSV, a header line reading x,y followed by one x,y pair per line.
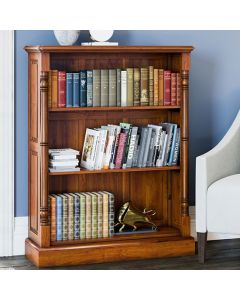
x,y
223,160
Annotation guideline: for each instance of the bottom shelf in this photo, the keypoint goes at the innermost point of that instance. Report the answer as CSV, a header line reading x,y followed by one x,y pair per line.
x,y
165,243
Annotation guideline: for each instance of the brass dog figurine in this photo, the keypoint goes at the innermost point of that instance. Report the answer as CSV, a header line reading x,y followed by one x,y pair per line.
x,y
130,215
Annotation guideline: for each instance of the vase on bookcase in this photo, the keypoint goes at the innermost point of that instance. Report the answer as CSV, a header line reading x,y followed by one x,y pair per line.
x,y
66,37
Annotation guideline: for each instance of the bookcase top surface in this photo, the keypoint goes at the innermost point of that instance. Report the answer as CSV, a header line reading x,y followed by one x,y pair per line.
x,y
111,49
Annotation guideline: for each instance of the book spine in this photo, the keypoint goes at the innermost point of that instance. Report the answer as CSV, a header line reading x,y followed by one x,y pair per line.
x,y
76,100
54,91
120,150
109,149
172,145
123,88
151,149
111,214
156,84
82,200
131,147
167,88
136,87
94,217
173,89
100,151
76,217
114,155
83,88
70,217
89,88
162,152
179,89
126,148
176,149
61,89
59,218
135,152
151,85
53,222
88,217
104,88
69,89
105,216
129,86
144,100
100,215
50,89
113,87
142,147
160,86
65,217
96,88
147,147
118,87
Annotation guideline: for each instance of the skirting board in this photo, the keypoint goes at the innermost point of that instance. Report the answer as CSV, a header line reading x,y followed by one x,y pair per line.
x,y
21,232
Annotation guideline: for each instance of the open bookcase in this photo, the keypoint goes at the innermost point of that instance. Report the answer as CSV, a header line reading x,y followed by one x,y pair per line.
x,y
164,189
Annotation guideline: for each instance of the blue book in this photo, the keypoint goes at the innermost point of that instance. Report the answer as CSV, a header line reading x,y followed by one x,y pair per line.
x,y
59,216
76,217
76,99
172,144
83,88
69,89
89,88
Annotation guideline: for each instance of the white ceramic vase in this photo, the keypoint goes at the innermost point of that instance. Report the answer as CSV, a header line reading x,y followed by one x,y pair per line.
x,y
66,37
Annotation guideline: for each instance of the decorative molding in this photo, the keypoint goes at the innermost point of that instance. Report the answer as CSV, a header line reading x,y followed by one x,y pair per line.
x,y
6,142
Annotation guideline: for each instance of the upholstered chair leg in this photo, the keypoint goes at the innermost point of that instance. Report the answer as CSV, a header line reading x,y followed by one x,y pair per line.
x,y
202,239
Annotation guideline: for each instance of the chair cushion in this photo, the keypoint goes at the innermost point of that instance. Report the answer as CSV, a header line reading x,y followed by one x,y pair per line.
x,y
223,205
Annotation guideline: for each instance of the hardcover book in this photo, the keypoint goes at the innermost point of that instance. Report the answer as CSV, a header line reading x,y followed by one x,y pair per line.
x,y
76,90
99,215
54,89
172,145
176,149
65,217
96,88
100,152
144,132
61,89
129,86
50,89
147,146
111,215
76,200
105,215
53,223
123,88
167,88
131,147
104,88
112,87
83,88
94,215
88,215
120,150
82,200
127,128
59,218
136,87
151,85
160,87
70,216
69,89
89,148
156,84
173,89
179,89
89,88
118,87
144,88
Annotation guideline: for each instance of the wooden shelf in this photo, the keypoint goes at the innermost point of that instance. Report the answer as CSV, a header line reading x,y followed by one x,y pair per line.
x,y
130,170
113,108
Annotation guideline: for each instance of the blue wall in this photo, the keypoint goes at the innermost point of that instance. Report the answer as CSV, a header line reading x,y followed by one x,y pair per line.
x,y
214,89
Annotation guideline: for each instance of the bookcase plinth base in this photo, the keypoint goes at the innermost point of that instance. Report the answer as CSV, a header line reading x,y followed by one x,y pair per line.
x,y
108,251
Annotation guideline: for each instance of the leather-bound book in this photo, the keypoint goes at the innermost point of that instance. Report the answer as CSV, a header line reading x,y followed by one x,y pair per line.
x,y
144,87
136,87
129,86
76,210
167,88
96,88
112,87
179,94
99,215
173,89
160,86
104,88
120,151
118,87
59,214
69,89
83,88
111,214
89,88
76,90
94,216
53,218
70,216
123,88
105,215
50,89
61,89
65,217
54,89
156,77
82,200
151,85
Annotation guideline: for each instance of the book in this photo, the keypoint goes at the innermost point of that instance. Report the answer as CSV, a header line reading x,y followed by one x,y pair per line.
x,y
63,163
127,128
89,88
179,90
167,87
61,89
83,88
157,141
156,84
172,145
163,143
59,215
129,86
88,215
63,151
94,215
63,157
151,85
96,88
118,87
82,201
64,169
176,149
144,88
53,219
131,147
89,148
147,147
149,162
64,217
109,146
144,133
123,88
69,89
112,87
117,130
76,90
105,215
54,89
136,148
99,215
160,86
111,214
104,88
50,89
173,89
70,216
136,87
76,211
168,127
120,150
100,152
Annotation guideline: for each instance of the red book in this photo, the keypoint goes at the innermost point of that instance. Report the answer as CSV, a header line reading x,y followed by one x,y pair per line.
x,y
167,88
173,89
120,150
179,95
61,89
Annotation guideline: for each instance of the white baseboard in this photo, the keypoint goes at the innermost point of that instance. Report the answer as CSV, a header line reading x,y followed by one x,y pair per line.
x,y
21,232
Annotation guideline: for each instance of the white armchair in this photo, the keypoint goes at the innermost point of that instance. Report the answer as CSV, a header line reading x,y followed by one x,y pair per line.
x,y
218,188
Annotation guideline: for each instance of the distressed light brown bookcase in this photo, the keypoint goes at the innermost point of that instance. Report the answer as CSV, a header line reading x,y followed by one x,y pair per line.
x,y
164,189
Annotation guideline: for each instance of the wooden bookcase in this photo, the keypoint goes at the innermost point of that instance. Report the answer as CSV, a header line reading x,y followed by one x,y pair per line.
x,y
164,189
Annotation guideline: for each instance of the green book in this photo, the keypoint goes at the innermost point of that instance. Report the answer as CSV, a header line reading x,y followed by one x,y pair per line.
x,y
88,217
70,216
82,198
100,214
94,215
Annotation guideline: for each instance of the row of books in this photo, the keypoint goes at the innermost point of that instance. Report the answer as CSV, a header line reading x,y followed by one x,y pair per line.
x,y
114,87
76,216
63,160
128,146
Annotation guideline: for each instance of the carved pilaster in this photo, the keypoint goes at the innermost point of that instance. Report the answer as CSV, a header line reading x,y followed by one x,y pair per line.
x,y
184,143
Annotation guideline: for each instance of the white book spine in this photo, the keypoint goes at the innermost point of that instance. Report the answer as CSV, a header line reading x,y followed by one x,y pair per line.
x,y
123,88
